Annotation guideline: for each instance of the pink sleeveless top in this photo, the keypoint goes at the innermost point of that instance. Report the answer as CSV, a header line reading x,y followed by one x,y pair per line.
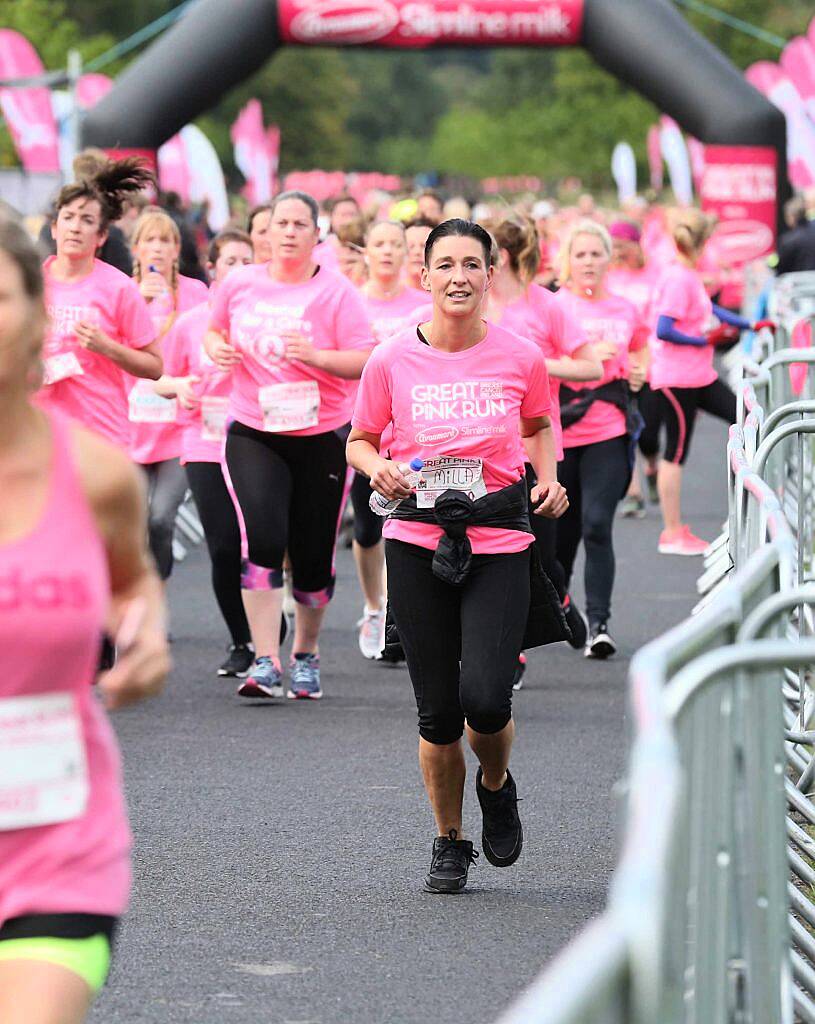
x,y
54,595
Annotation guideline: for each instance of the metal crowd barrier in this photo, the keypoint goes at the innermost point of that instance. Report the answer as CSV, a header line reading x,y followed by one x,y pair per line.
x,y
711,910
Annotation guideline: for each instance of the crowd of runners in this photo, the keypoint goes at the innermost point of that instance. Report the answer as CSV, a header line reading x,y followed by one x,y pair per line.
x,y
470,385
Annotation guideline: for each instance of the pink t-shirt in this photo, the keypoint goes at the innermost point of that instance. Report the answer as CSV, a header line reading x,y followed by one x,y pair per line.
x,y
156,442
254,310
324,253
54,600
390,316
458,404
681,295
638,286
92,390
537,317
184,356
610,319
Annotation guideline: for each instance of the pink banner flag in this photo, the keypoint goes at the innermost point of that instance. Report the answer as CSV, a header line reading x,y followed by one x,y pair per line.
x,y
173,171
770,80
798,61
28,111
253,153
92,88
654,147
696,151
273,144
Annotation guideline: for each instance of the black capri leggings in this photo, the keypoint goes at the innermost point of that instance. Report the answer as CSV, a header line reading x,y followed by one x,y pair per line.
x,y
679,408
650,406
222,532
367,524
595,476
545,531
290,490
461,643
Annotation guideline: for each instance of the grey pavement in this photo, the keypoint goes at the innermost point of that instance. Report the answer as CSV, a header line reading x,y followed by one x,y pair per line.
x,y
280,848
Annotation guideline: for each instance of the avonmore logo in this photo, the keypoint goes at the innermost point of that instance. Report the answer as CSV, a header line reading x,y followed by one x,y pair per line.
x,y
439,435
344,21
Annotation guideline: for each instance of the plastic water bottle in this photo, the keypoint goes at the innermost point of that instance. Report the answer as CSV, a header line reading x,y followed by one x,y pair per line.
x,y
383,506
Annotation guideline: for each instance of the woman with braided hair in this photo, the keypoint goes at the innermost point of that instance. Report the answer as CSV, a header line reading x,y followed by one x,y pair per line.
x,y
100,327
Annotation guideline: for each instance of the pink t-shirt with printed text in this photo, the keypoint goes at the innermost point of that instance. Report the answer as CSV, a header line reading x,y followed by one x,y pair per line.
x,y
466,404
156,442
185,356
254,311
608,319
681,295
96,397
537,317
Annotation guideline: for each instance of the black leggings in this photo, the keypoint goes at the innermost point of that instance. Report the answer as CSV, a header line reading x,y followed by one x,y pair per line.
x,y
222,532
367,524
290,490
650,406
166,487
461,643
545,531
679,408
595,476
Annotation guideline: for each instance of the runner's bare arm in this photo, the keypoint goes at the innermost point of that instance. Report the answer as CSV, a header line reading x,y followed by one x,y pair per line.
x,y
362,452
347,364
539,442
138,613
138,362
582,365
220,351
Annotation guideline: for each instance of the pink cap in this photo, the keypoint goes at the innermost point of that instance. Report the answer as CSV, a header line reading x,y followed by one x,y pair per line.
x,y
625,230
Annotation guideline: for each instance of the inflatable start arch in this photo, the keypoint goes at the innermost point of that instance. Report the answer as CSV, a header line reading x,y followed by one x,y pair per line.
x,y
645,43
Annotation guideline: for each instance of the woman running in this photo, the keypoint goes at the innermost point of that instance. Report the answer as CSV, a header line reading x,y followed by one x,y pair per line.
x,y
100,328
257,227
416,235
683,373
390,304
155,433
525,308
351,252
72,565
596,469
293,335
202,391
636,280
472,401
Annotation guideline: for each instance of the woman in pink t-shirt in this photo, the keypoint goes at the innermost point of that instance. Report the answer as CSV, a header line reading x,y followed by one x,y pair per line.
x,y
596,469
688,326
293,335
202,392
472,402
155,432
72,565
417,231
100,328
525,308
390,304
635,279
257,227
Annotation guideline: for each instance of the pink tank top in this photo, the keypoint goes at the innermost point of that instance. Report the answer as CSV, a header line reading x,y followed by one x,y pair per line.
x,y
54,595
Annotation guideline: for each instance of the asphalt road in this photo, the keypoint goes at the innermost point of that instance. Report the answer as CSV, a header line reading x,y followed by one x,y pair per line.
x,y
280,849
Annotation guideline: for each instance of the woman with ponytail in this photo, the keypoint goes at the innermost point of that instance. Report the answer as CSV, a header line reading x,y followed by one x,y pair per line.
x,y
688,326
100,327
529,310
155,431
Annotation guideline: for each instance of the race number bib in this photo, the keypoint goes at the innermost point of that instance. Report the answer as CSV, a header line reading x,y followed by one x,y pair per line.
x,y
286,407
145,406
61,366
43,769
214,412
448,473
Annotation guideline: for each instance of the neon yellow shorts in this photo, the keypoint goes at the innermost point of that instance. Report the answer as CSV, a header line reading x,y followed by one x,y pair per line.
x,y
89,958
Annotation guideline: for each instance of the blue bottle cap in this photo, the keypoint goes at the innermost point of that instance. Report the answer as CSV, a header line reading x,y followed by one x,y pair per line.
x,y
416,465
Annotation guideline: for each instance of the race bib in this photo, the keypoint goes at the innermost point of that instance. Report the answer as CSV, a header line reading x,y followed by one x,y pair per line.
x,y
43,769
145,406
286,407
61,366
449,473
214,412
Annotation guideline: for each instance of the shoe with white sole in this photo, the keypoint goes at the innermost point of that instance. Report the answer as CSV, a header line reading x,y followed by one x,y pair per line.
x,y
304,677
681,542
265,680
371,633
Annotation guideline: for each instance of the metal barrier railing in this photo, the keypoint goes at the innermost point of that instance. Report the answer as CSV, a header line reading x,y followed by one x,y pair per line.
x,y
711,910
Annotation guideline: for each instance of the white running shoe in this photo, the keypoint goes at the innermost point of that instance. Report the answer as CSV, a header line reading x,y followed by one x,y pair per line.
x,y
371,633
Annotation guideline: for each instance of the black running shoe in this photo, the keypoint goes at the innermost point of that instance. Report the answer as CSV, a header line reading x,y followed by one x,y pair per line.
x,y
502,835
600,643
576,621
449,864
240,659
